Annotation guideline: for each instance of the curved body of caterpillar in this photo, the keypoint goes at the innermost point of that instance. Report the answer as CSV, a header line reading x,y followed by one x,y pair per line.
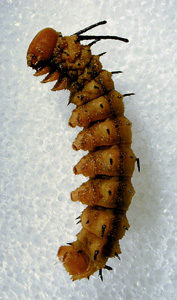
x,y
106,134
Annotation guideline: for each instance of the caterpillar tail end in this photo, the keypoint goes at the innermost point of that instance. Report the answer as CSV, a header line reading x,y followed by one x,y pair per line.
x,y
76,263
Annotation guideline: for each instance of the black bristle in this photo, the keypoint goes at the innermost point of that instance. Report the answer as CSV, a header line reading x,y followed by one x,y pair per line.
x,y
102,37
125,227
103,230
117,255
95,254
116,72
100,274
94,42
108,268
90,27
101,54
138,164
80,251
130,94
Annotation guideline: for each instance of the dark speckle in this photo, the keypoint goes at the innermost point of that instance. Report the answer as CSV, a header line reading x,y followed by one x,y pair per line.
x,y
95,255
80,251
103,230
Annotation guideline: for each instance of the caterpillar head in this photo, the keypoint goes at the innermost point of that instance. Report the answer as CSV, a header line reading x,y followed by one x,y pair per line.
x,y
42,46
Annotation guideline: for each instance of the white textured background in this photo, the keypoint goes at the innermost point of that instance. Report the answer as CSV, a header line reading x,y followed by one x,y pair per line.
x,y
36,158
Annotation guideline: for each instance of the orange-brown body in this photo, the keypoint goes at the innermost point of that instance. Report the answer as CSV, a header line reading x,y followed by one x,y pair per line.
x,y
109,192
106,135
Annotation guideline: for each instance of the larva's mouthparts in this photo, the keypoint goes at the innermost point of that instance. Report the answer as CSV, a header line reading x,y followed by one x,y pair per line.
x,y
106,136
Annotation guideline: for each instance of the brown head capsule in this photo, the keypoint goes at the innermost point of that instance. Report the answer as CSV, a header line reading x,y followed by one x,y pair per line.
x,y
42,46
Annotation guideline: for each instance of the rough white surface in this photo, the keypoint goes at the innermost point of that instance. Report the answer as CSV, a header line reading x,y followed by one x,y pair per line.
x,y
36,158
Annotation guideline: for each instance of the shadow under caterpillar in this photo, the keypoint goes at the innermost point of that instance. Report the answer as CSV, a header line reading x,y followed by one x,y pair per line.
x,y
107,137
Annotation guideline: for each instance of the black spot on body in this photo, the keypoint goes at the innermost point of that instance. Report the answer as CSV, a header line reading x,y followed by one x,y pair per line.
x,y
103,230
95,255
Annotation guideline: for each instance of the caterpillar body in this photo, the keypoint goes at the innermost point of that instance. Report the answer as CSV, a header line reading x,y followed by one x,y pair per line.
x,y
107,137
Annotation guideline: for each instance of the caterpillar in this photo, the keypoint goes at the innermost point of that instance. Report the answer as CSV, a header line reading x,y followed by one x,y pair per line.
x,y
106,135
